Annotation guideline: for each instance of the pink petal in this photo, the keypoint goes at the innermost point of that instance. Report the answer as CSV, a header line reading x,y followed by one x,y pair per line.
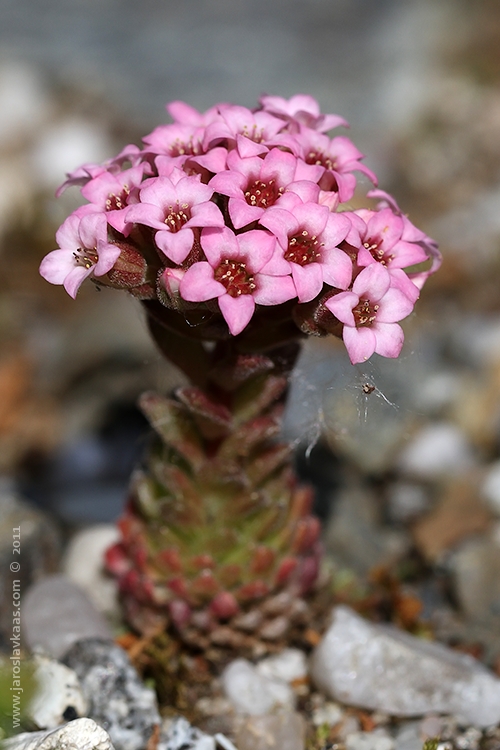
x,y
372,283
407,254
337,228
219,244
198,283
75,279
108,254
242,214
247,148
190,190
307,191
146,213
279,165
257,247
205,215
57,265
229,183
393,306
176,245
337,268
93,227
308,281
341,305
281,223
360,343
67,235
274,290
237,311
390,339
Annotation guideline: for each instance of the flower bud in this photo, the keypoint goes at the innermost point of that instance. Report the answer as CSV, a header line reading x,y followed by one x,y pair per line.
x,y
129,270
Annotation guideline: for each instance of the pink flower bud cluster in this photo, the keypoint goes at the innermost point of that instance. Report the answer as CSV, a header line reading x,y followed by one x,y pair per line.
x,y
234,210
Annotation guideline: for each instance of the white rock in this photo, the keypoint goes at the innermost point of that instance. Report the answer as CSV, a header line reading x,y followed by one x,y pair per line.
x,y
81,734
56,613
289,665
58,691
376,740
83,563
379,667
178,734
406,501
490,488
330,713
251,692
24,105
409,737
72,141
437,450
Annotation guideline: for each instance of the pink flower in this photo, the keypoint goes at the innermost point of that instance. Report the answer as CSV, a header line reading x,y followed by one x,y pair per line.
x,y
175,209
370,313
251,132
302,109
382,240
83,251
412,234
232,274
254,185
80,176
339,157
112,193
184,114
309,236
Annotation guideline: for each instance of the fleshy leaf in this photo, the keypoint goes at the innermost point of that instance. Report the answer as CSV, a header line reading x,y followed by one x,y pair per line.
x,y
174,427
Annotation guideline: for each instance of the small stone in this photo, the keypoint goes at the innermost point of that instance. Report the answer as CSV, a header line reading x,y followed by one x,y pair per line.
x,y
80,734
83,563
408,737
56,613
289,665
354,535
117,698
431,726
490,489
251,692
376,740
475,568
58,694
283,731
274,629
29,538
439,449
178,734
330,714
406,501
458,514
380,667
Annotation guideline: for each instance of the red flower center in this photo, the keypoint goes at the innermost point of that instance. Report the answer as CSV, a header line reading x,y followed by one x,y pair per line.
x,y
116,201
255,135
178,215
235,277
303,249
373,247
86,257
364,313
263,194
183,148
318,157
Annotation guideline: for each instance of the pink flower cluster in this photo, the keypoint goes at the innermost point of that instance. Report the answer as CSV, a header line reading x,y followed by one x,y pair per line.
x,y
235,210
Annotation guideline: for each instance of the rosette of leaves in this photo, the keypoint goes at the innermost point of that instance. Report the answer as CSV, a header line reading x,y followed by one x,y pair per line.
x,y
218,546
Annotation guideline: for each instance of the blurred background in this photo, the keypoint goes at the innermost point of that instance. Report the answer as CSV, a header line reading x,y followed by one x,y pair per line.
x,y
411,468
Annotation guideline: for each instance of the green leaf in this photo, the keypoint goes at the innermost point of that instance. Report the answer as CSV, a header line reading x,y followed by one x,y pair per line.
x,y
174,426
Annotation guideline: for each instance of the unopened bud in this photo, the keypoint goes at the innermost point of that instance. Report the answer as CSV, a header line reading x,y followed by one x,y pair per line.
x,y
129,270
